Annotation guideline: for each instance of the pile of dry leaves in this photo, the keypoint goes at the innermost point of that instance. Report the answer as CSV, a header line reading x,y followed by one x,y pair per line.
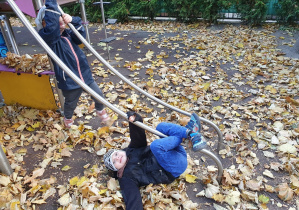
x,y
34,64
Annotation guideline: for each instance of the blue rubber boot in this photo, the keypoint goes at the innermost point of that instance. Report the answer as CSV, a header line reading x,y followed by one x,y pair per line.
x,y
198,141
196,138
194,124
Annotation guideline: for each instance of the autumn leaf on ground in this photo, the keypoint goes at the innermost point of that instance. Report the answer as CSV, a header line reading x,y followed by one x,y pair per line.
x,y
285,193
190,178
227,180
66,168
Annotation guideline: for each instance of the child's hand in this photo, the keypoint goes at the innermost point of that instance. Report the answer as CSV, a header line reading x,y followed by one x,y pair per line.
x,y
67,18
132,118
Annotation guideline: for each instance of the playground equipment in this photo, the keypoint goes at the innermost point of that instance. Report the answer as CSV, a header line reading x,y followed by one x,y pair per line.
x,y
106,103
110,21
30,7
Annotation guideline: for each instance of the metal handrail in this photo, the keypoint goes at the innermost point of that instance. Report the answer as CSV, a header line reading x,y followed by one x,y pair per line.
x,y
94,52
86,87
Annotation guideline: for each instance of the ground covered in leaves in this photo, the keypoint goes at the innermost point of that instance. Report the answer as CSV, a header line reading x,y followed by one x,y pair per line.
x,y
235,76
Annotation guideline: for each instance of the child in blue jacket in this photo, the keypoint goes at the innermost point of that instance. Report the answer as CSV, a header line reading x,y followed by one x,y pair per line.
x,y
161,162
51,27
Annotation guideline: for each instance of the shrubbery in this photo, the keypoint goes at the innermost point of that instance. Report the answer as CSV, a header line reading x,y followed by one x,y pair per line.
x,y
252,12
287,11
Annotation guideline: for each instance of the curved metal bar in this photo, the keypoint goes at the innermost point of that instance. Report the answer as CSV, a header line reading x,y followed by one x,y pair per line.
x,y
87,88
4,164
220,136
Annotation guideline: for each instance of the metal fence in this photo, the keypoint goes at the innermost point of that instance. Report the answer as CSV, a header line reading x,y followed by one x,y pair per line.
x,y
232,12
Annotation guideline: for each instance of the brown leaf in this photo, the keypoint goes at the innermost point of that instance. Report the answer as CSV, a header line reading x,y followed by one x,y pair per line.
x,y
65,152
227,180
285,193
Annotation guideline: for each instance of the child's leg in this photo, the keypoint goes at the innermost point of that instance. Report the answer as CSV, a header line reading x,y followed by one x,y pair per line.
x,y
170,154
71,98
99,106
171,129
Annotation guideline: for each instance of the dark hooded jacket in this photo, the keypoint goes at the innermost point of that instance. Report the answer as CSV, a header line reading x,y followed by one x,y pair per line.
x,y
142,168
65,46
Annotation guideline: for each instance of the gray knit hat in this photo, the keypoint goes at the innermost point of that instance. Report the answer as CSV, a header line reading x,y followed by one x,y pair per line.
x,y
41,15
108,160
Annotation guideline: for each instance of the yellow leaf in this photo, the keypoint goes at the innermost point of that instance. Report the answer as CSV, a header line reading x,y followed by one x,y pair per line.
x,y
273,90
4,149
218,197
36,125
114,117
253,133
81,181
190,178
268,87
74,180
206,86
39,201
216,98
30,128
81,127
22,151
103,130
66,168
15,126
90,134
102,191
281,37
33,190
240,45
237,114
15,205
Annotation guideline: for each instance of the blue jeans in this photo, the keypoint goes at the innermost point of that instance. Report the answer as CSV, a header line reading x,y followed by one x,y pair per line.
x,y
71,98
168,151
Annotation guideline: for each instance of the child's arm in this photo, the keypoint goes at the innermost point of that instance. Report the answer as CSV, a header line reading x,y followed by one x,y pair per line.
x,y
77,23
131,194
137,134
51,32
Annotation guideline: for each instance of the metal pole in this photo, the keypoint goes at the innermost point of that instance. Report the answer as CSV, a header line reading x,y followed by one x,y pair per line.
x,y
11,35
86,87
4,33
85,23
59,92
94,52
4,164
104,25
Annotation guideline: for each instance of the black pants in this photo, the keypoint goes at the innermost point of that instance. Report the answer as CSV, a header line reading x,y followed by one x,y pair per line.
x,y
71,98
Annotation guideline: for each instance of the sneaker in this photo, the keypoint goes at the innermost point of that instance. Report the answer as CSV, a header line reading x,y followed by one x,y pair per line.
x,y
103,115
198,141
194,124
68,122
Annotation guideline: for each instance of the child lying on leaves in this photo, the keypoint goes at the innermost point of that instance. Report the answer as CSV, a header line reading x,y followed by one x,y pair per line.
x,y
160,163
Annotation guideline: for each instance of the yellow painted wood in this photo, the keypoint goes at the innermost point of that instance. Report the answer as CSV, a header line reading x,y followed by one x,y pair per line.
x,y
28,90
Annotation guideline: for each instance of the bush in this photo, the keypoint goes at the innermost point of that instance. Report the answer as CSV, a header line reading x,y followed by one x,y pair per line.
x,y
119,10
144,8
252,12
186,10
287,11
93,12
210,9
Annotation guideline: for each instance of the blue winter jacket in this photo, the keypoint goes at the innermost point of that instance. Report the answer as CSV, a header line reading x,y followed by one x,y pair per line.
x,y
65,46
